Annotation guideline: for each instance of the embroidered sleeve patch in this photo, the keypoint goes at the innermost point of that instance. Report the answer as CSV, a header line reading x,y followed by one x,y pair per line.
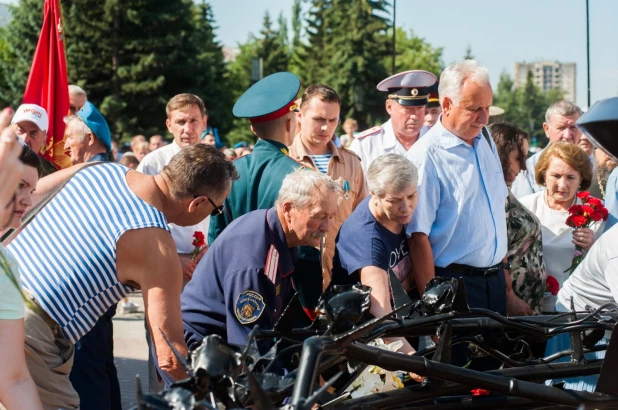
x,y
249,307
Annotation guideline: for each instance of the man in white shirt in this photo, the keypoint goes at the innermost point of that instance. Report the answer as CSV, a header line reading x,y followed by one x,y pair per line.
x,y
407,98
186,120
559,125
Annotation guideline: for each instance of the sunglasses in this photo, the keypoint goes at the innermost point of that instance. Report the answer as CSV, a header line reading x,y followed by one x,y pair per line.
x,y
218,209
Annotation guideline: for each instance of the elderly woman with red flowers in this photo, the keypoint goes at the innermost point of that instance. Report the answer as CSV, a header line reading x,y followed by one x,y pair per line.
x,y
564,169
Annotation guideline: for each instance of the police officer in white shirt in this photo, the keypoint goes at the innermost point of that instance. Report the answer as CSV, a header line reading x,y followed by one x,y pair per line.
x,y
407,98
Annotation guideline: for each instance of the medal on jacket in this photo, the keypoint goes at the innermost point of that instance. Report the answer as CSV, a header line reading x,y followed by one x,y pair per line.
x,y
346,189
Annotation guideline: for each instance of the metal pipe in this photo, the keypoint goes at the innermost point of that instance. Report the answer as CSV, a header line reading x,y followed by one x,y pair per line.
x,y
588,48
423,366
313,349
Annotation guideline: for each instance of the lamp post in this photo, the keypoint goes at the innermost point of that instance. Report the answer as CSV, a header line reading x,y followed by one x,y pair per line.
x,y
395,33
588,49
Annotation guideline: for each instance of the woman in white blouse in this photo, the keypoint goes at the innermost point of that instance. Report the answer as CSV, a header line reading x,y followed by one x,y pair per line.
x,y
564,169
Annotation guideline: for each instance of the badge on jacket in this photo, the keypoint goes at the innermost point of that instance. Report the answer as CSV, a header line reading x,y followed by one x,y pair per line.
x,y
249,307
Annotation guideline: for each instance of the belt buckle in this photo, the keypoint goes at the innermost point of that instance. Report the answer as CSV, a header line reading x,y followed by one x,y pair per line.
x,y
491,271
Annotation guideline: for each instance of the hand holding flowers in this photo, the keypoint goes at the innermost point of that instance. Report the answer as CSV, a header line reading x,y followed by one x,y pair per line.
x,y
581,217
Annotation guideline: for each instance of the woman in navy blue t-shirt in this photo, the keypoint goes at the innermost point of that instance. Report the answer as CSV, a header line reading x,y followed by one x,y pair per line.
x,y
373,240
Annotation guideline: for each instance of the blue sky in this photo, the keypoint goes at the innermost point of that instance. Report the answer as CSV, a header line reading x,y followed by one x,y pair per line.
x,y
499,32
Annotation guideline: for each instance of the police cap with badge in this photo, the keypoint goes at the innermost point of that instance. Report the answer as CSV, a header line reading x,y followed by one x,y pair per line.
x,y
410,88
269,99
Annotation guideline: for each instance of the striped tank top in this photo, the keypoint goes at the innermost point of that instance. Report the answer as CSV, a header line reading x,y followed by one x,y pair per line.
x,y
67,253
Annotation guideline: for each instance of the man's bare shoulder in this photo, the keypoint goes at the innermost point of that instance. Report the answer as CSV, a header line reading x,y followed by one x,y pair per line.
x,y
145,250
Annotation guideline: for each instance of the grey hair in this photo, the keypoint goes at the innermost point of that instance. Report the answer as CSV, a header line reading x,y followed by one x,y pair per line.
x,y
77,90
391,172
564,108
453,77
78,125
302,187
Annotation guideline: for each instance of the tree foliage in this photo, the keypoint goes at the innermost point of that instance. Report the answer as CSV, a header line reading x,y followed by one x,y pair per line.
x,y
131,56
525,106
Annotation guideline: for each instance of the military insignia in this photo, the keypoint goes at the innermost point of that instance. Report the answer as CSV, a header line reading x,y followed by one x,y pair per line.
x,y
271,266
285,151
346,189
368,132
414,92
249,307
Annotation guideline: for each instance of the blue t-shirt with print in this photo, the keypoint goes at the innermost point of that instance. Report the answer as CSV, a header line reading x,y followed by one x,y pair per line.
x,y
362,241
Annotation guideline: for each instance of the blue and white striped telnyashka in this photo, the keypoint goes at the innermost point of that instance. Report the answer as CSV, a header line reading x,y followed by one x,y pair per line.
x,y
67,254
321,162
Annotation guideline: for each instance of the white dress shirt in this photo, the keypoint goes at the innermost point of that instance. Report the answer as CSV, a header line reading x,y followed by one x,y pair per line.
x,y
153,164
372,143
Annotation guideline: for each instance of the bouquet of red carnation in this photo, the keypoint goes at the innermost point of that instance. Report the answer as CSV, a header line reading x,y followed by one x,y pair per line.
x,y
198,243
582,216
551,285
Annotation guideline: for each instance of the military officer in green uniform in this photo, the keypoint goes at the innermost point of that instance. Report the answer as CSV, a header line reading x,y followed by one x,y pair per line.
x,y
269,106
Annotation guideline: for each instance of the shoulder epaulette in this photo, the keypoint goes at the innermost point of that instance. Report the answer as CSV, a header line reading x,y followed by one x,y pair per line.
x,y
368,132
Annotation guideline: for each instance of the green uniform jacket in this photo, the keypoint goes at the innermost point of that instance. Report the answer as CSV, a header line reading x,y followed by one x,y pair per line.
x,y
261,175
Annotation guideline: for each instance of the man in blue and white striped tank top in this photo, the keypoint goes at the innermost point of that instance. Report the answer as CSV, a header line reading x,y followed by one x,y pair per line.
x,y
101,236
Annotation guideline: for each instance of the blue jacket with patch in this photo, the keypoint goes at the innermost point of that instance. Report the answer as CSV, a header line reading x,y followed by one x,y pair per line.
x,y
244,279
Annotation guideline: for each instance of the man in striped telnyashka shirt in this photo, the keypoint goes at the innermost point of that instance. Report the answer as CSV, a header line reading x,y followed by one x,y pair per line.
x,y
103,235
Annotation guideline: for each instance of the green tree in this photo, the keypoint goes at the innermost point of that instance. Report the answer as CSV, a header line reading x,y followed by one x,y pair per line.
x,y
314,55
415,53
210,70
356,48
525,106
21,37
469,55
273,46
131,56
297,55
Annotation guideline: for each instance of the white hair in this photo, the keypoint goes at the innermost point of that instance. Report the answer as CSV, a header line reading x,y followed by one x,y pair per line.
x,y
302,187
453,77
77,90
563,108
391,172
79,126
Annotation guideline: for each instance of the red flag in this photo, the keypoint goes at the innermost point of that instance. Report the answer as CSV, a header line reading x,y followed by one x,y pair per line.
x,y
48,84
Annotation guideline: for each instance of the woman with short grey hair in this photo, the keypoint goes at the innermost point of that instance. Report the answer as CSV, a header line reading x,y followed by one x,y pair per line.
x,y
372,241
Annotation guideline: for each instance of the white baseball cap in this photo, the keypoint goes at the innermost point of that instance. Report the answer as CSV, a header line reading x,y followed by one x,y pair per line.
x,y
33,113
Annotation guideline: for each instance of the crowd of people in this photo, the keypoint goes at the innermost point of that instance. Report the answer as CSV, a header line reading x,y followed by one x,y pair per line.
x,y
434,192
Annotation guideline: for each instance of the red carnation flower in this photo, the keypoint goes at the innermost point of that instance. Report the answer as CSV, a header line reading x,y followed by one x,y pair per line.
x,y
596,216
198,242
605,213
576,210
577,220
552,285
588,210
594,201
583,195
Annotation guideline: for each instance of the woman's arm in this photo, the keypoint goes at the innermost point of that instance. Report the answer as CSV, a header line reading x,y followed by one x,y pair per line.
x,y
378,280
48,183
17,390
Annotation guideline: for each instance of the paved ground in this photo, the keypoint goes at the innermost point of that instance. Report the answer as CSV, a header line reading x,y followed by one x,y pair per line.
x,y
131,351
